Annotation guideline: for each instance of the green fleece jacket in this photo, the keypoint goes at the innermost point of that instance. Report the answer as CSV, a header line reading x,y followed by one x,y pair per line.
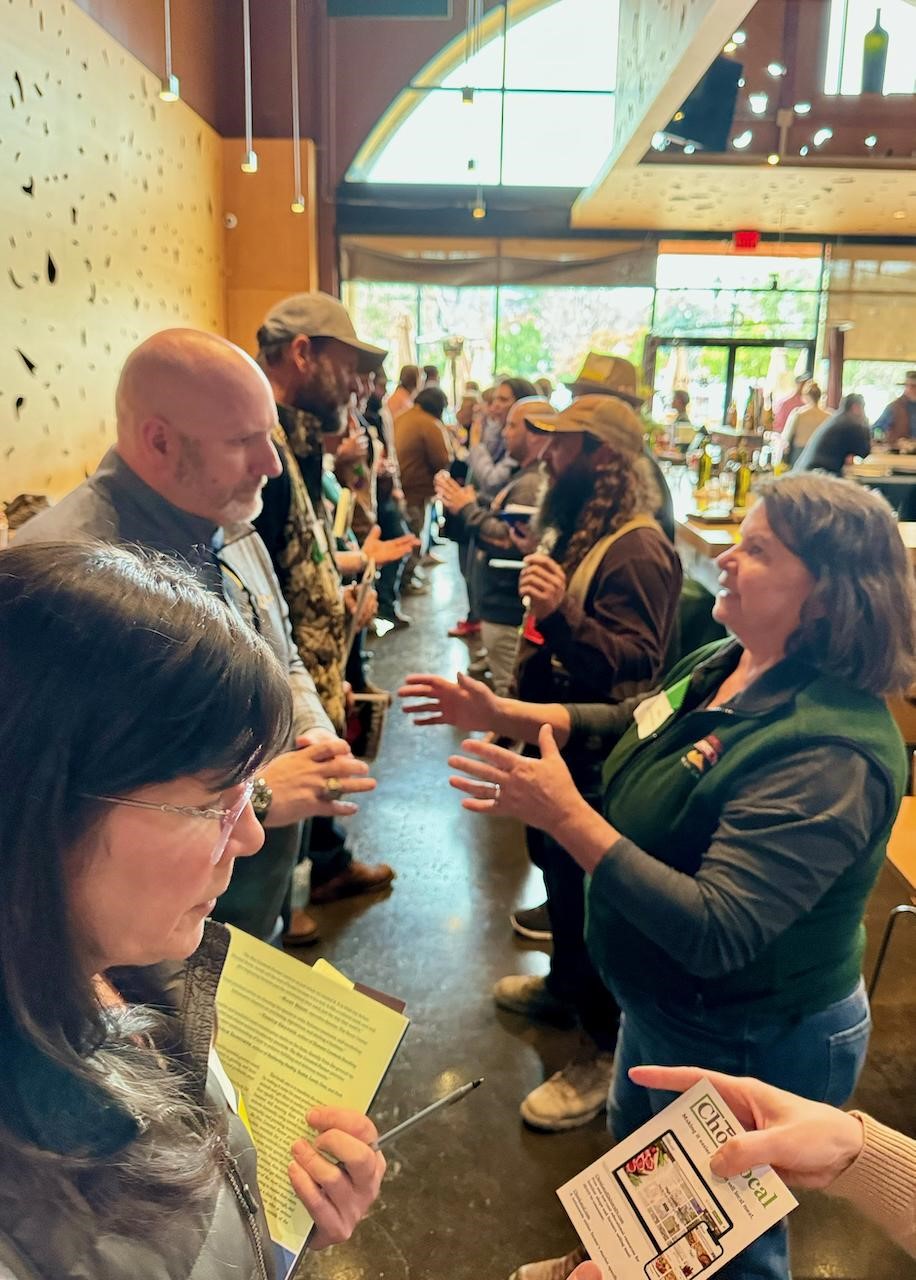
x,y
751,837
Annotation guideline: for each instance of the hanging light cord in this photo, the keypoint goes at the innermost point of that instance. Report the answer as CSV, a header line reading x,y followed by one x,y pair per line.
x,y
168,39
294,54
246,17
473,34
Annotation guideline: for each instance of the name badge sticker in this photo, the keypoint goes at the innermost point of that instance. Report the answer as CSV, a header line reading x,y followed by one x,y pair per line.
x,y
652,714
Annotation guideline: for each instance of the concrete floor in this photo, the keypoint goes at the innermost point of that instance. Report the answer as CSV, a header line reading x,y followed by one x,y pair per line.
x,y
470,1195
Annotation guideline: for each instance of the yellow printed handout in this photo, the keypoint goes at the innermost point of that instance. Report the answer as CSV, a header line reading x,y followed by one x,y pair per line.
x,y
291,1038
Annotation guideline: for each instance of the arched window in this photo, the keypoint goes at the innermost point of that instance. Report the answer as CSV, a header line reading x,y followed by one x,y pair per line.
x,y
533,107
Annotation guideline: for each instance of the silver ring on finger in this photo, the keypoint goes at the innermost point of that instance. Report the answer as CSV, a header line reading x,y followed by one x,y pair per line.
x,y
497,792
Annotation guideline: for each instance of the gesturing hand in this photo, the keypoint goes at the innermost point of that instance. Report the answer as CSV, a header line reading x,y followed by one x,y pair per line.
x,y
544,583
467,704
540,791
369,606
353,448
454,496
390,549
337,1195
309,781
807,1143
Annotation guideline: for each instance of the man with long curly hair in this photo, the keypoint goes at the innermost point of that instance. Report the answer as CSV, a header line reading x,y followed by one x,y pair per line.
x,y
601,608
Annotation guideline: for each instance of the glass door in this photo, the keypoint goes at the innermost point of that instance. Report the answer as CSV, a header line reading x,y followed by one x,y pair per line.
x,y
716,371
701,371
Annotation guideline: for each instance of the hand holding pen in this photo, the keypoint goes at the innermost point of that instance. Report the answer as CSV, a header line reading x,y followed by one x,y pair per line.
x,y
339,1180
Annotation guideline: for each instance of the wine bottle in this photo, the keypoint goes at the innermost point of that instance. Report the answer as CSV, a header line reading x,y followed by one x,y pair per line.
x,y
874,58
704,468
743,478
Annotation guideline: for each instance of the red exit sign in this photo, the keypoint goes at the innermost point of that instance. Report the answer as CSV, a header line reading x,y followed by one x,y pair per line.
x,y
745,241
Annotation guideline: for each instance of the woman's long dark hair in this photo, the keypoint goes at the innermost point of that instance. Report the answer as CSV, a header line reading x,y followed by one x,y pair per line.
x,y
117,671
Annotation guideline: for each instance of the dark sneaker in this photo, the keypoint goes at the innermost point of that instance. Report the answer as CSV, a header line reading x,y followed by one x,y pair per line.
x,y
532,923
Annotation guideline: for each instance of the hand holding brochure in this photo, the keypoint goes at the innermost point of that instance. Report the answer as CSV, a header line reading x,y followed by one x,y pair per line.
x,y
650,1209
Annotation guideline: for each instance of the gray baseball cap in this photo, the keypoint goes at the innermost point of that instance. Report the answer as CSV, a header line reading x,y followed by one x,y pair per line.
x,y
318,315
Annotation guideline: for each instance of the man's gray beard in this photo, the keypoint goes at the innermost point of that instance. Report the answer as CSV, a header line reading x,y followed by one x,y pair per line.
x,y
238,513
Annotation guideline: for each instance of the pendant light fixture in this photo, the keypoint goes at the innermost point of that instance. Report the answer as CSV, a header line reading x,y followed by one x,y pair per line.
x,y
169,86
298,204
250,162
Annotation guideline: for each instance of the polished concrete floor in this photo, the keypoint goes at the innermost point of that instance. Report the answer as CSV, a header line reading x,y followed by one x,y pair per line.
x,y
470,1195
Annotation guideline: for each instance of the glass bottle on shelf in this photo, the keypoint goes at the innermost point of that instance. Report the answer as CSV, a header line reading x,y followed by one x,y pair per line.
x,y
874,58
743,477
768,417
749,421
731,417
704,467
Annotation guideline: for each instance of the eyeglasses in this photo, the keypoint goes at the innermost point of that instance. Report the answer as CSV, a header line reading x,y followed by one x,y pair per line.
x,y
227,817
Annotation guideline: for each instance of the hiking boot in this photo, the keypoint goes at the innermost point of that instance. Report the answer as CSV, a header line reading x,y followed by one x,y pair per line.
x,y
571,1097
528,995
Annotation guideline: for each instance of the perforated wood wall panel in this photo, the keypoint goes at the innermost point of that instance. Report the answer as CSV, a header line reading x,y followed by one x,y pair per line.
x,y
112,228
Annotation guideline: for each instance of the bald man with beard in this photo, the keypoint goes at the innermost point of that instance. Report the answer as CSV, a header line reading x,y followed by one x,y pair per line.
x,y
195,417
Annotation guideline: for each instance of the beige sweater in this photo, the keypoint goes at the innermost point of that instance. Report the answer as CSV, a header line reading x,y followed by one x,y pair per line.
x,y
881,1181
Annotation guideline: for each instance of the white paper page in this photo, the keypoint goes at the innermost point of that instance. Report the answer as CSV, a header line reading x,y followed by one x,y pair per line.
x,y
650,1209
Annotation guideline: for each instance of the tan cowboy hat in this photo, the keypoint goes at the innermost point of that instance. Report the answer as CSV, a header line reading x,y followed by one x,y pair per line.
x,y
603,416
602,375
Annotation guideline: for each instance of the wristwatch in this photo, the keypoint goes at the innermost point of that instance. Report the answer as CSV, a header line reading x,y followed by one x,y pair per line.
x,y
261,796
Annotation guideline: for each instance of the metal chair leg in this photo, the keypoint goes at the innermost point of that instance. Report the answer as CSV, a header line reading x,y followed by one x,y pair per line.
x,y
904,909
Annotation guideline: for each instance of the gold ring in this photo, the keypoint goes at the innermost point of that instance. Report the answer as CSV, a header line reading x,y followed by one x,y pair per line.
x,y
333,790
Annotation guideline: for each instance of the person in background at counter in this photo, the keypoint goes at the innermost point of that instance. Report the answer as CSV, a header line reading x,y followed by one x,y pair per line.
x,y
790,403
195,420
898,421
746,812
804,421
845,1153
843,436
138,709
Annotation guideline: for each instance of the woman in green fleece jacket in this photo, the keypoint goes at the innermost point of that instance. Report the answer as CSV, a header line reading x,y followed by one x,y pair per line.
x,y
747,810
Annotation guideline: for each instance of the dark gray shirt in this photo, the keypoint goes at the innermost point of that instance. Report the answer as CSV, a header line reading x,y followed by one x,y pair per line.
x,y
115,505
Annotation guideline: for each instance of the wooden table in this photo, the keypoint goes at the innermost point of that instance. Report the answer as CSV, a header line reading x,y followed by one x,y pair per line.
x,y
901,854
700,543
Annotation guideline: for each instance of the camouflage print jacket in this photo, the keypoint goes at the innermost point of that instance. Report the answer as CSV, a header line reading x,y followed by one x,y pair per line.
x,y
300,549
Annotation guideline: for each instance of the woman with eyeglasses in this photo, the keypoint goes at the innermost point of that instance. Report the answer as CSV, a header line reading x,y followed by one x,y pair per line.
x,y
135,710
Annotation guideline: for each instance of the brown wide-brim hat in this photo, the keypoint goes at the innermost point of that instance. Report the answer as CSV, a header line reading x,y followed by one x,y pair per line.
x,y
318,315
908,378
603,416
603,375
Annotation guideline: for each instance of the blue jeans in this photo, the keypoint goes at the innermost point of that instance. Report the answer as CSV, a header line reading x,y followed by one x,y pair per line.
x,y
818,1056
